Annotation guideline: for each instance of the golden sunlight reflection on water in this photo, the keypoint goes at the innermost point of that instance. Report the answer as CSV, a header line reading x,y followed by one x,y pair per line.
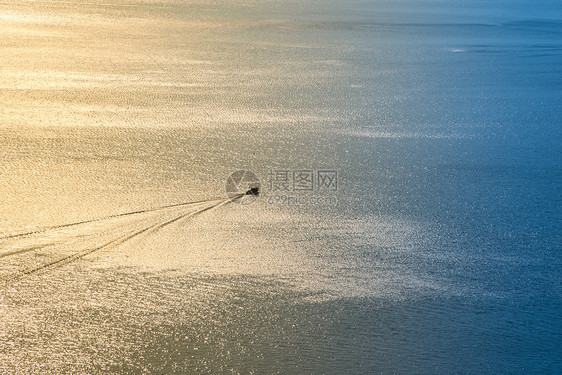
x,y
439,241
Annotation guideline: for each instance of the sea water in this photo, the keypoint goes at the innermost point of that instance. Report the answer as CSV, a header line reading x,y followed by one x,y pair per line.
x,y
432,247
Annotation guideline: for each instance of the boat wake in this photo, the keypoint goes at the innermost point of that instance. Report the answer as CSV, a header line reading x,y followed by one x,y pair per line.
x,y
32,252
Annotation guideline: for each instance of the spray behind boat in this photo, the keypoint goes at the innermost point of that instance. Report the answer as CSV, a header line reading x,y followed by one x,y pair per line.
x,y
243,186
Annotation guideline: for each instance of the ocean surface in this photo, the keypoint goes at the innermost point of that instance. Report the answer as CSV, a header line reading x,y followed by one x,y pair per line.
x,y
434,247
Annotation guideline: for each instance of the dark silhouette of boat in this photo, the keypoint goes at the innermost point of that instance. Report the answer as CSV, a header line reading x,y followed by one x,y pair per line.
x,y
254,190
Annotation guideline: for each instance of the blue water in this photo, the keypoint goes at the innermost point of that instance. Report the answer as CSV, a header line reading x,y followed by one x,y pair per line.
x,y
442,118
